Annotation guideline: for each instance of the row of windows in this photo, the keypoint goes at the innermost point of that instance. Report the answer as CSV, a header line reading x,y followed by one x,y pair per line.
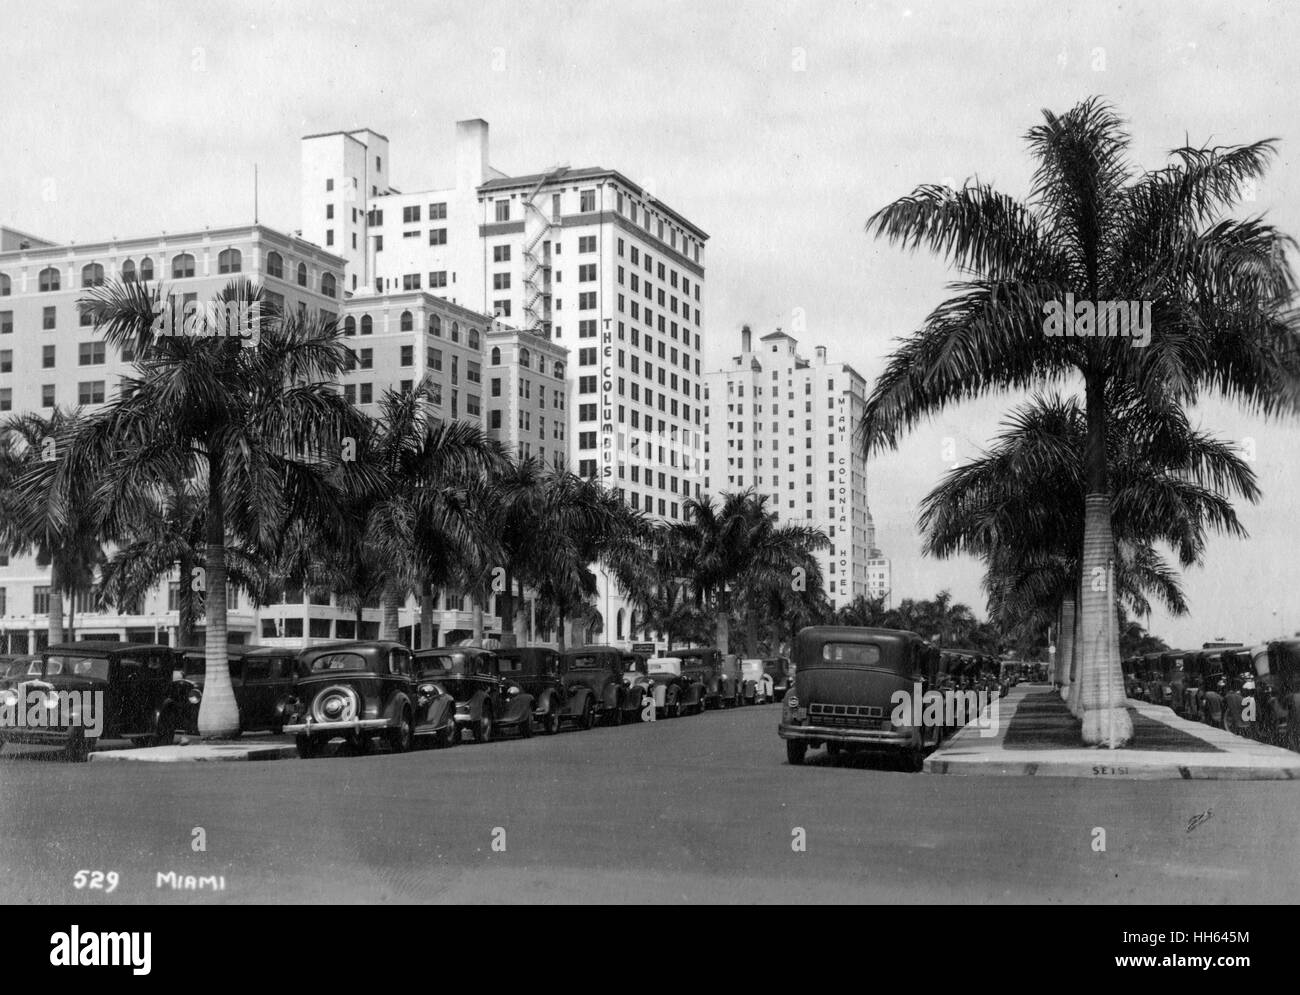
x,y
229,261
406,323
88,392
526,360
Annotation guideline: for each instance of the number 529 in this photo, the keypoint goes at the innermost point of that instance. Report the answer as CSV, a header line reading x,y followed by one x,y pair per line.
x,y
95,881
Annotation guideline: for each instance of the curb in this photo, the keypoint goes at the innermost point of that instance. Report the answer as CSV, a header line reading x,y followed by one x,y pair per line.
x,y
1143,770
198,753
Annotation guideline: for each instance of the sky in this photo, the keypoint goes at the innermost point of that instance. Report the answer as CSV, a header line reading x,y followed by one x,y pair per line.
x,y
778,128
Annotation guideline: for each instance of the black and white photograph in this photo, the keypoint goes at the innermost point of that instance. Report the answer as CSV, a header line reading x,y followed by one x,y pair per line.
x,y
650,453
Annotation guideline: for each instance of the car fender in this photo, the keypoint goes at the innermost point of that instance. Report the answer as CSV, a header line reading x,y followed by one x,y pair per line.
x,y
577,701
632,699
477,702
691,694
546,702
612,696
440,712
393,710
517,709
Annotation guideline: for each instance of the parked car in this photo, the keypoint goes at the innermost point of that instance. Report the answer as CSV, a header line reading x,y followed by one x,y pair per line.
x,y
754,690
599,669
1284,699
1153,677
536,670
487,702
704,664
1133,686
262,678
778,669
676,693
15,669
640,688
132,688
847,680
361,690
1205,672
1241,709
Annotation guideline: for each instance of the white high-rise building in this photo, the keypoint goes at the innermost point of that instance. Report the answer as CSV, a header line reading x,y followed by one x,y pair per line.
x,y
584,257
787,429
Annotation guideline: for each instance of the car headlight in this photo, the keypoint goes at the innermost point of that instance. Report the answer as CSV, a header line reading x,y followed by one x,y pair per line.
x,y
194,697
512,690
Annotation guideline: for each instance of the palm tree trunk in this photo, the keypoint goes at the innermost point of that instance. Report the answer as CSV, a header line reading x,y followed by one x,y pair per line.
x,y
426,614
751,633
520,622
1106,720
219,712
356,633
562,623
185,604
506,606
54,631
391,605
72,615
1065,645
1072,699
722,624
476,604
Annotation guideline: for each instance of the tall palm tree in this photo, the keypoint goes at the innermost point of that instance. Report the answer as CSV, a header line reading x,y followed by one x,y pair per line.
x,y
260,428
46,513
1020,506
1220,291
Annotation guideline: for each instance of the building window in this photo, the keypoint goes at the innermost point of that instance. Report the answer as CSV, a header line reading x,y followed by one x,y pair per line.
x,y
500,281
90,354
472,339
367,359
587,273
587,301
146,268
587,201
367,324
435,325
494,418
503,210
6,286
90,392
49,279
182,266
92,275
229,261
495,359
6,360
349,325
408,355
6,322
328,285
437,279
434,357
128,272
501,309
437,236
302,274
407,322
437,212
411,215
367,393
48,317
411,281
501,253
586,243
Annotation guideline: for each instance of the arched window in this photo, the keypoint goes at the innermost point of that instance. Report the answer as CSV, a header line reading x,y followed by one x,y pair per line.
x,y
182,266
631,625
128,272
349,325
49,279
6,287
524,358
435,325
275,265
559,370
229,261
496,356
146,268
367,326
618,624
473,338
455,331
92,275
302,274
327,285
408,322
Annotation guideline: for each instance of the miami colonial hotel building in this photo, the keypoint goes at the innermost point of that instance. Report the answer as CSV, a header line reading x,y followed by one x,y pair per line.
x,y
563,309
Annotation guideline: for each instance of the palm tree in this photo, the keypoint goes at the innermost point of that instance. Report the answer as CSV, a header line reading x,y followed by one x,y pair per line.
x,y
259,428
33,499
738,548
1020,506
1220,293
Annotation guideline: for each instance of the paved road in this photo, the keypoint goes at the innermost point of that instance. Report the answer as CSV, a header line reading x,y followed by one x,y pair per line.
x,y
699,809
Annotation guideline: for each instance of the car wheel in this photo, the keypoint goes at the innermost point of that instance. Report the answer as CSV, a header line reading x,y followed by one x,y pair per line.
x,y
526,727
914,760
616,715
1293,732
307,747
483,728
833,749
588,715
401,739
141,740
551,722
794,751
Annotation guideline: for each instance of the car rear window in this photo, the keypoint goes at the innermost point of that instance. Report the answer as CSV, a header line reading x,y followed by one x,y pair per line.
x,y
338,661
588,662
77,666
860,653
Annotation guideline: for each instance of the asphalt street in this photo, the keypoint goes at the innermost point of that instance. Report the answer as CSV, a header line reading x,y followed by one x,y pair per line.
x,y
697,809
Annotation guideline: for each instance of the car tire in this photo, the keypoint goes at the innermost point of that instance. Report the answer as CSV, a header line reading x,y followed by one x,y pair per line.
x,y
165,732
401,739
616,715
551,722
833,749
794,752
307,746
483,728
526,727
914,760
588,715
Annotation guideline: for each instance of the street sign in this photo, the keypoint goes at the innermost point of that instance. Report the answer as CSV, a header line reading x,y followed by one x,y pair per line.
x,y
646,648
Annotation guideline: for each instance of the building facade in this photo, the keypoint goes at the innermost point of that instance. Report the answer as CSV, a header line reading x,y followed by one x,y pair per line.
x,y
50,356
786,428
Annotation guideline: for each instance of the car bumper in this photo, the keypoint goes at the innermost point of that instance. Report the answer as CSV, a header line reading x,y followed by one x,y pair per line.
x,y
900,738
336,728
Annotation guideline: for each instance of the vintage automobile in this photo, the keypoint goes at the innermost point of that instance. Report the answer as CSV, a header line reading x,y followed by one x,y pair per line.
x,y
536,670
848,678
705,665
1133,686
262,678
487,702
675,692
755,686
600,670
640,688
361,690
777,668
95,690
1284,692
1206,676
14,669
1241,707
1153,677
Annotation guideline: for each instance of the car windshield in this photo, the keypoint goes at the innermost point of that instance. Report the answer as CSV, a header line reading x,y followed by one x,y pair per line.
x,y
860,653
587,661
338,661
453,664
77,666
17,668
665,665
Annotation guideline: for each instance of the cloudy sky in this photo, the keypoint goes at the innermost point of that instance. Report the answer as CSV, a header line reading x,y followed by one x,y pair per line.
x,y
777,127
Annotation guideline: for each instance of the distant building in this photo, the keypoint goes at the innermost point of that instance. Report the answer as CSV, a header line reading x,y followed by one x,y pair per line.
x,y
787,428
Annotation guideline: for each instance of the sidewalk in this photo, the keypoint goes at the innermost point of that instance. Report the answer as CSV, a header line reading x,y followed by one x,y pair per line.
x,y
193,750
1037,735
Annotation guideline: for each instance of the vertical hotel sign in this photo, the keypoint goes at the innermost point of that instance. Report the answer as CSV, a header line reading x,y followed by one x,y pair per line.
x,y
606,405
842,483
